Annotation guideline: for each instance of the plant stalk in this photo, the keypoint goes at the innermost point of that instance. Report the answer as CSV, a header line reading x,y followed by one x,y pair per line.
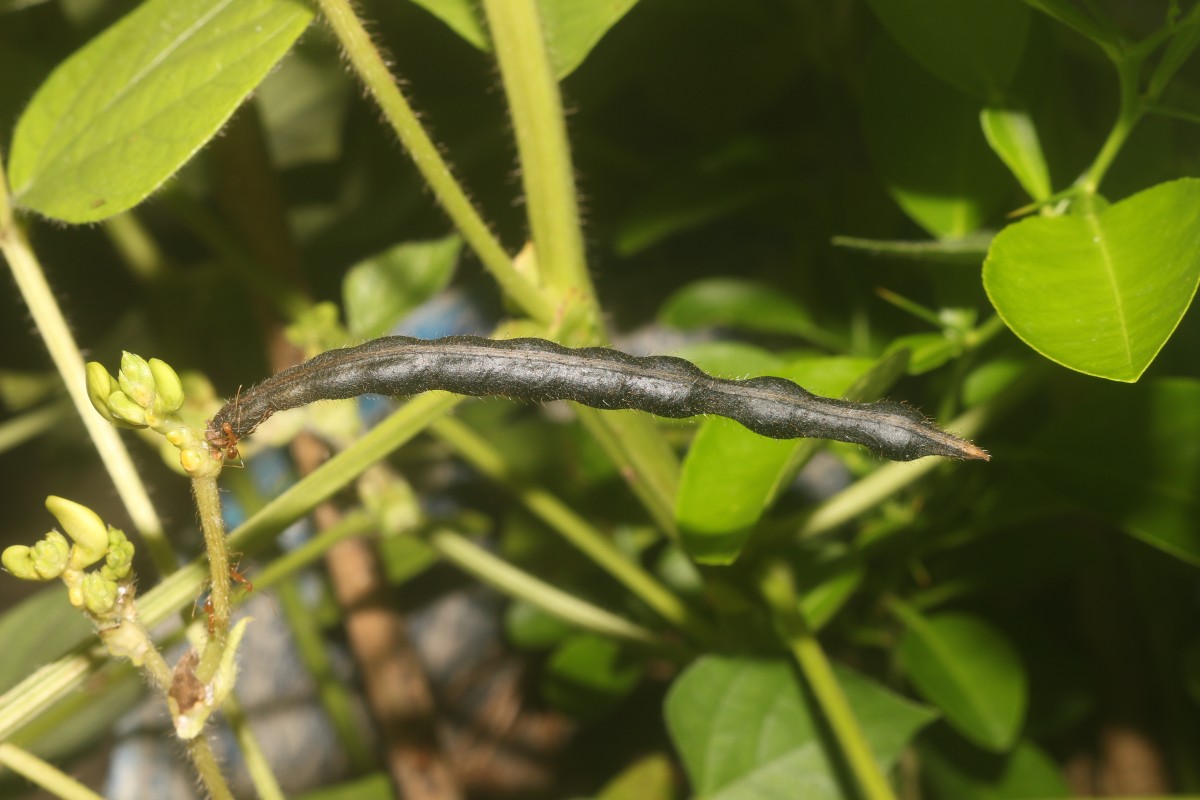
x,y
371,69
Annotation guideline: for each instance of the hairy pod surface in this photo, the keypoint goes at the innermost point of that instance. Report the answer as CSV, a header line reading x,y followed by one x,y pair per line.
x,y
538,371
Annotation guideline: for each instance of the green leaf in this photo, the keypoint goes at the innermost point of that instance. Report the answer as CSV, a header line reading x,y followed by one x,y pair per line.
x,y
1131,455
730,474
957,772
1101,31
381,290
1183,43
926,144
973,45
968,670
572,28
1012,136
1101,292
121,115
464,17
588,674
745,732
738,303
650,778
38,630
928,351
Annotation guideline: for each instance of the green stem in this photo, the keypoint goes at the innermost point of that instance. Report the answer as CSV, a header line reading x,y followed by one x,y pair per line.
x,y
44,774
1129,113
208,504
645,460
369,65
545,154
332,692
48,317
548,178
481,455
261,775
201,754
136,246
31,424
39,691
779,592
890,479
516,583
314,549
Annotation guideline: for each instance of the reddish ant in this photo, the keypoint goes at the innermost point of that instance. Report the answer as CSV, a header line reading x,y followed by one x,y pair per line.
x,y
224,442
234,575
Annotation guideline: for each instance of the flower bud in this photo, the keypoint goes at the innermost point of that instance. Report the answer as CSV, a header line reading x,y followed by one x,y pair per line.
x,y
84,526
119,560
99,594
51,555
126,411
100,385
167,386
18,560
136,379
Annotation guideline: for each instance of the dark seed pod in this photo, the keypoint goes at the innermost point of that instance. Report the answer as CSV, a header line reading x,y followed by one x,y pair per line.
x,y
538,371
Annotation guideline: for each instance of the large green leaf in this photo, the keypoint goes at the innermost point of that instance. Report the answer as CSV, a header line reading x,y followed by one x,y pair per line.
x,y
730,474
1131,455
379,291
572,28
745,732
925,140
968,670
121,115
973,45
1102,291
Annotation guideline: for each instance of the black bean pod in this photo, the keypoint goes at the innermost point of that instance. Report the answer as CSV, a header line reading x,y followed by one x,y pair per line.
x,y
538,371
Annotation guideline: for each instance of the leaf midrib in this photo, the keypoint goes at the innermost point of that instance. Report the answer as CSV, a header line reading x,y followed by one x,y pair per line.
x,y
1110,272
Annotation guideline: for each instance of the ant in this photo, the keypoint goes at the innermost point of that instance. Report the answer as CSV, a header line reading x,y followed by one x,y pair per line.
x,y
234,575
224,442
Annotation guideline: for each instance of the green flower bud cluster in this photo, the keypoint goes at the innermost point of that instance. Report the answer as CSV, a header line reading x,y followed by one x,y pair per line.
x,y
149,394
88,541
143,395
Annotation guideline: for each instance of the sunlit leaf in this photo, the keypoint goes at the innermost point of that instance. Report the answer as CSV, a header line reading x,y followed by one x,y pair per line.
x,y
120,116
1012,136
1101,291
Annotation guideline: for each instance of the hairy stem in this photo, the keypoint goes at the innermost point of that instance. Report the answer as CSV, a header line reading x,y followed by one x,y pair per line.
x,y
52,325
544,151
208,503
371,69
